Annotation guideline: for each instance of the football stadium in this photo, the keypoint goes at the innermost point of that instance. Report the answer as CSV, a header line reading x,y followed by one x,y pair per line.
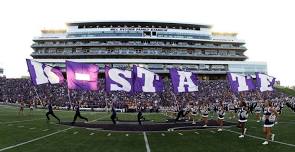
x,y
144,87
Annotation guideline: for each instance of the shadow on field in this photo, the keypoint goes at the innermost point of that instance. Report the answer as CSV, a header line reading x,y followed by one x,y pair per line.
x,y
170,125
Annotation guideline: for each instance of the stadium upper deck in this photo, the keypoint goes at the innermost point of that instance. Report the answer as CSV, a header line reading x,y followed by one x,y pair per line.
x,y
154,45
1,71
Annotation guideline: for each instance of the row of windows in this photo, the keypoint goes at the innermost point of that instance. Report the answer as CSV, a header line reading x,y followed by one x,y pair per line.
x,y
137,34
246,68
106,35
184,36
239,68
86,26
147,51
197,67
137,43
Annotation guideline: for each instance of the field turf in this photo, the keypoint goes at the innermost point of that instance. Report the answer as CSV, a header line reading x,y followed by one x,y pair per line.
x,y
31,132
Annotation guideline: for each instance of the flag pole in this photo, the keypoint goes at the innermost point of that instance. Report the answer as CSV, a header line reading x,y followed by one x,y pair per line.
x,y
106,101
69,97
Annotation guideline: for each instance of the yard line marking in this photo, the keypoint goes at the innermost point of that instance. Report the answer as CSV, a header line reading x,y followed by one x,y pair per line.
x,y
180,133
91,134
186,127
23,143
109,134
287,122
7,114
36,139
197,133
20,121
10,125
98,119
282,143
147,146
20,126
32,128
90,128
163,134
75,132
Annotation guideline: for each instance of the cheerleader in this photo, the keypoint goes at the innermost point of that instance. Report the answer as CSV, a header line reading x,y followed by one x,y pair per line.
x,y
194,113
269,116
21,108
31,106
258,110
205,113
278,108
243,115
231,108
281,107
220,114
188,113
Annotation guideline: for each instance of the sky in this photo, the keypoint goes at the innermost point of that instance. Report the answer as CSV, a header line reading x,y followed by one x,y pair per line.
x,y
267,26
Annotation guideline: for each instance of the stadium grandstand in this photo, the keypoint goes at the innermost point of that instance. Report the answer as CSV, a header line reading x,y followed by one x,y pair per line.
x,y
1,72
157,46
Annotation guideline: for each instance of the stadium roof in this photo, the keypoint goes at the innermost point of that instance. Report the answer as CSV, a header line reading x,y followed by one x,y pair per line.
x,y
141,23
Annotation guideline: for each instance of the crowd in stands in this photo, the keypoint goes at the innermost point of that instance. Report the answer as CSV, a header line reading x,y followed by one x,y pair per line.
x,y
291,103
210,91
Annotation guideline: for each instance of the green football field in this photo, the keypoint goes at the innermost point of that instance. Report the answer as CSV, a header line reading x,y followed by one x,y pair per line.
x,y
32,132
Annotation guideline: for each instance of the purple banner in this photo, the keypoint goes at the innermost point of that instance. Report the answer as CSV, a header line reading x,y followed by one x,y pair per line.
x,y
41,73
146,81
82,76
118,80
250,83
183,81
239,83
265,82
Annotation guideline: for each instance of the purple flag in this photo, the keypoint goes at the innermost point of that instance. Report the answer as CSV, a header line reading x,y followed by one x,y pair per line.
x,y
183,81
265,82
239,82
146,81
41,73
118,80
82,76
250,83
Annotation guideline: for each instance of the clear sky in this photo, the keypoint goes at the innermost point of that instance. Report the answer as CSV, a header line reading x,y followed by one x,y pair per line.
x,y
267,26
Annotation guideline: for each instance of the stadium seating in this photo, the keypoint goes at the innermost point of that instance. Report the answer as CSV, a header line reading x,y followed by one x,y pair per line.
x,y
17,90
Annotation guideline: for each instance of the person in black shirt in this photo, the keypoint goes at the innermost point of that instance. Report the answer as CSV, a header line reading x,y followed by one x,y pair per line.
x,y
77,114
140,116
181,113
50,112
114,116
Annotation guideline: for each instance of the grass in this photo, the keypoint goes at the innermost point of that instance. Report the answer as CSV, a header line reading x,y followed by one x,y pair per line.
x,y
16,129
286,90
